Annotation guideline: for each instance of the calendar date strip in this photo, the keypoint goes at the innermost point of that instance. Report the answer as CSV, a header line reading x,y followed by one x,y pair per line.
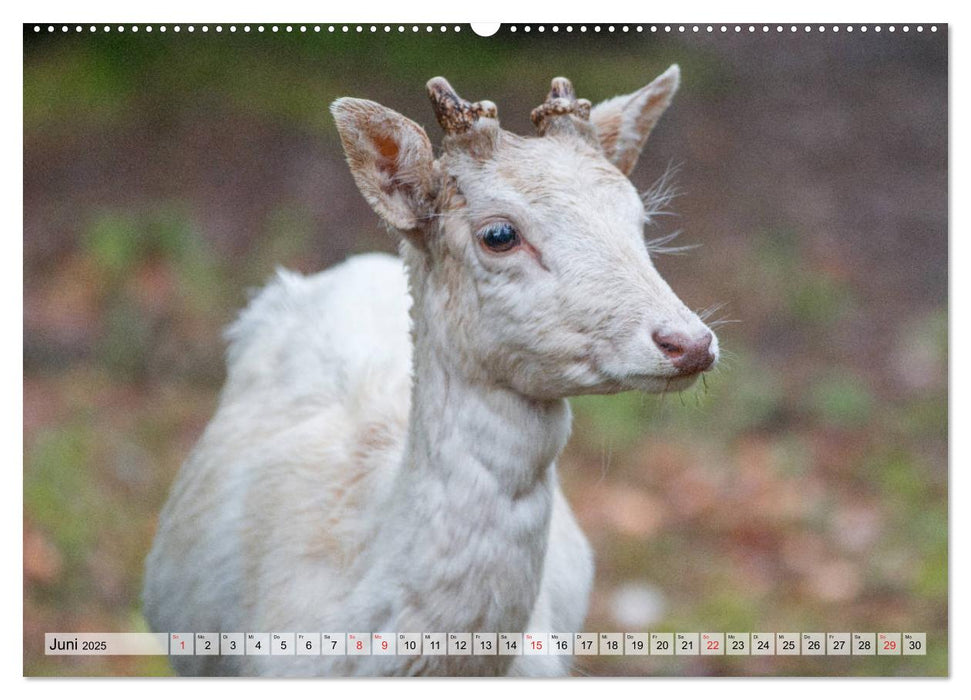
x,y
487,644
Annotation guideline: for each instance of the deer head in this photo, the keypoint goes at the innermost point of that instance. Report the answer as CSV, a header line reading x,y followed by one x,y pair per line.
x,y
527,255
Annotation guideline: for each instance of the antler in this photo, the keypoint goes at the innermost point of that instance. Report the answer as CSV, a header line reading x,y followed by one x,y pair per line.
x,y
562,111
454,114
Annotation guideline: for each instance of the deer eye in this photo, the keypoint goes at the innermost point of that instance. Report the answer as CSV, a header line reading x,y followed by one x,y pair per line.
x,y
499,237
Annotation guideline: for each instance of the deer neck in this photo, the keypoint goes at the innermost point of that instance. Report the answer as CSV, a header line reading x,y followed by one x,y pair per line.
x,y
462,427
474,495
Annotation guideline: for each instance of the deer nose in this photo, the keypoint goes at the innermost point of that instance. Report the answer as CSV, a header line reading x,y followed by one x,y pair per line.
x,y
689,356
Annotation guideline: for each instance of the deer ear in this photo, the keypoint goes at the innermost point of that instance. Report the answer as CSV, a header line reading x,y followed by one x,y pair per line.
x,y
391,160
623,123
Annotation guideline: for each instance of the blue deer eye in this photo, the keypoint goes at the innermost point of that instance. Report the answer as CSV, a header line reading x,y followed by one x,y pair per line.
x,y
499,237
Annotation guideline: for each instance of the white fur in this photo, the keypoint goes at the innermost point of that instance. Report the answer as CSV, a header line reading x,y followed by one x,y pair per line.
x,y
310,535
363,476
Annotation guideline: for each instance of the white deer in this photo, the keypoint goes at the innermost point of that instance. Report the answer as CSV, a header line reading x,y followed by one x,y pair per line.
x,y
364,473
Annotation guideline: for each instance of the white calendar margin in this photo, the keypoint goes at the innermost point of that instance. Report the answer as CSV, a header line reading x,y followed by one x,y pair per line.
x,y
824,11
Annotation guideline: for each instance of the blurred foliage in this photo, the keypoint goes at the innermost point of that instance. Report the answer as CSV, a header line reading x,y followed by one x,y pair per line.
x,y
841,400
802,486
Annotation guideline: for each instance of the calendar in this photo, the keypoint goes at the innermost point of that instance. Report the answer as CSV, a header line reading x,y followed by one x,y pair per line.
x,y
489,643
488,205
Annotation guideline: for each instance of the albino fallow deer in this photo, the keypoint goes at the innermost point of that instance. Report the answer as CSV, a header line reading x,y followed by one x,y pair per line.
x,y
383,455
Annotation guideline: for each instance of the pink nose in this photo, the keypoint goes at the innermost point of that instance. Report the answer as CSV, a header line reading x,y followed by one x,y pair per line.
x,y
689,356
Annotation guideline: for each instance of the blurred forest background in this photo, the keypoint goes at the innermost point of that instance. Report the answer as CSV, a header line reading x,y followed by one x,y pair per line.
x,y
804,490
